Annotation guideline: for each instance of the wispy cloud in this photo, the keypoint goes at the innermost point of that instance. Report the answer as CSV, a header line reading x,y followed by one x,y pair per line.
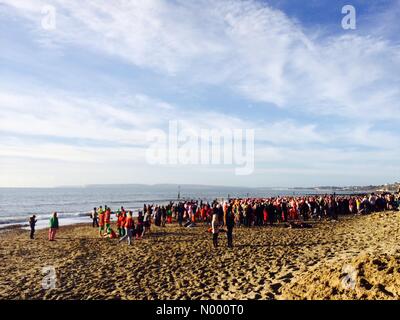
x,y
331,93
245,45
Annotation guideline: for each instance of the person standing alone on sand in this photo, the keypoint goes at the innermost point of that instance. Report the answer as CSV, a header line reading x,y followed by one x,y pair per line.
x,y
180,212
53,227
129,227
215,228
95,223
32,223
107,218
229,222
147,222
120,223
101,223
139,226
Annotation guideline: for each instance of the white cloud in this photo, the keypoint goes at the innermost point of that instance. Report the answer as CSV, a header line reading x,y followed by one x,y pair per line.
x,y
84,130
290,132
68,117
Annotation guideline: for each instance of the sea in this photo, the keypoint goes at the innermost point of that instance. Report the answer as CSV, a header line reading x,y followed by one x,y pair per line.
x,y
74,204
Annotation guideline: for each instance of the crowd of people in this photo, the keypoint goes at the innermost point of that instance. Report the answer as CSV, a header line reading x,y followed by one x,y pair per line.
x,y
127,228
223,215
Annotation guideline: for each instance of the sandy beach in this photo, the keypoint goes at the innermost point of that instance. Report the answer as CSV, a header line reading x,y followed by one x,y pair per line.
x,y
180,263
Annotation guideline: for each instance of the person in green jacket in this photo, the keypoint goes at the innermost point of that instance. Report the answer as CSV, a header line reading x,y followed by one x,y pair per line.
x,y
53,226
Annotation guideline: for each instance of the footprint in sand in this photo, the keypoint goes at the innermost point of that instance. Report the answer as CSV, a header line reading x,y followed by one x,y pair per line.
x,y
275,287
286,278
270,296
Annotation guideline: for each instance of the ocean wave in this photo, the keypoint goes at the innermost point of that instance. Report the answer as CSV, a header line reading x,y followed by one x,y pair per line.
x,y
139,201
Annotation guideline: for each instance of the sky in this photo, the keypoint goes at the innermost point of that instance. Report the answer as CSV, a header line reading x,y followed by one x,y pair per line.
x,y
78,97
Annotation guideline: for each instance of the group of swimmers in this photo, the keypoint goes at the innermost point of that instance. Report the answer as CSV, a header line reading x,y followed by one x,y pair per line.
x,y
267,211
223,216
185,213
127,229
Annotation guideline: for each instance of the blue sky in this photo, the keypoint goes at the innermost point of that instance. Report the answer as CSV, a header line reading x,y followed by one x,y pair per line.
x,y
76,101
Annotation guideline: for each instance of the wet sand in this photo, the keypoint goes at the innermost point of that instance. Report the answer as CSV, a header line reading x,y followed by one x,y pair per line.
x,y
180,263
